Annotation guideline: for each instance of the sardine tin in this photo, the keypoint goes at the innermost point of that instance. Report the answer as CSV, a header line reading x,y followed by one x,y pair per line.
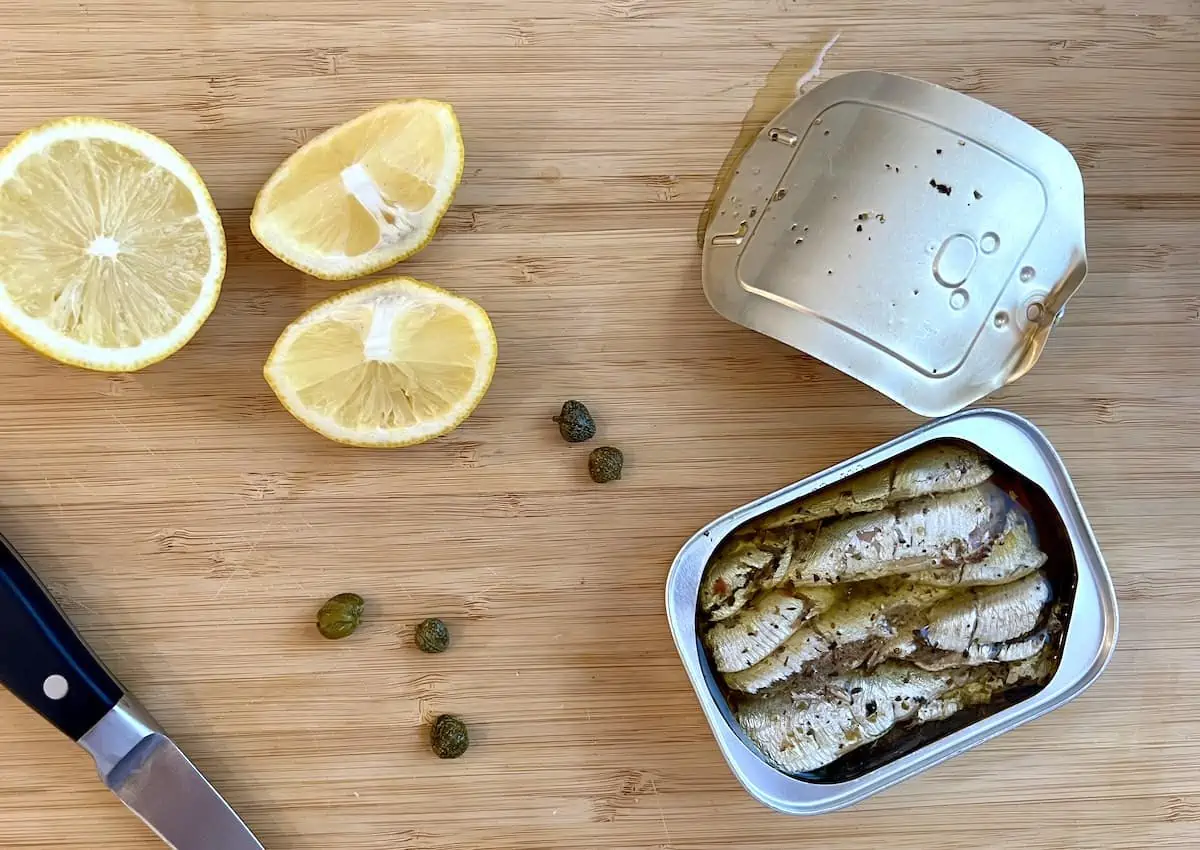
x,y
918,239
1089,643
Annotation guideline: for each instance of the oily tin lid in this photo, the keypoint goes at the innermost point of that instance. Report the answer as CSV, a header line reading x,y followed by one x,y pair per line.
x,y
918,239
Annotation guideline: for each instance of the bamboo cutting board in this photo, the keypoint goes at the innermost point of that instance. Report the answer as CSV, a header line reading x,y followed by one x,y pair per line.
x,y
191,528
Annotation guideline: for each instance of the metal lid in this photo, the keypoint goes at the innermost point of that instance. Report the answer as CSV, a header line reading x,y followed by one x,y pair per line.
x,y
918,239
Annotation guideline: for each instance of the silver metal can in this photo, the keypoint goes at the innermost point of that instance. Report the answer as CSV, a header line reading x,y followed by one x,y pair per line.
x,y
1089,639
917,239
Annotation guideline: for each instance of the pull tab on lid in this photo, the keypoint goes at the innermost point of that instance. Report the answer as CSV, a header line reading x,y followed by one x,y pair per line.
x,y
918,239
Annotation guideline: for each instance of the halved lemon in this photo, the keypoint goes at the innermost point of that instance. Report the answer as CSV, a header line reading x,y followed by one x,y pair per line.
x,y
392,363
111,251
363,195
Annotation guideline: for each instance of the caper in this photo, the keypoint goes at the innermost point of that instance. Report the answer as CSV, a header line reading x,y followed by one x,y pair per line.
x,y
575,422
449,737
340,616
432,635
605,463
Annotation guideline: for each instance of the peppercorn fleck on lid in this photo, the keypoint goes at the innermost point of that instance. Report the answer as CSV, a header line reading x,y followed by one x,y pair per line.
x,y
916,238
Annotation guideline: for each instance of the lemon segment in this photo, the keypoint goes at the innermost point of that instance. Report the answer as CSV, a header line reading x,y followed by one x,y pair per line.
x,y
111,251
363,195
392,363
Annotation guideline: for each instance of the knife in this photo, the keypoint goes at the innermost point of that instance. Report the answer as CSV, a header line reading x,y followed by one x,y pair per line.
x,y
46,664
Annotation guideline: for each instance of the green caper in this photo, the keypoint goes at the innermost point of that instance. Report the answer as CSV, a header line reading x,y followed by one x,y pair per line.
x,y
449,737
340,616
432,635
575,422
605,463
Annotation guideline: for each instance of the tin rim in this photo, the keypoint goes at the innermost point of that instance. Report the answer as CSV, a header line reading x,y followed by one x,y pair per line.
x,y
1088,646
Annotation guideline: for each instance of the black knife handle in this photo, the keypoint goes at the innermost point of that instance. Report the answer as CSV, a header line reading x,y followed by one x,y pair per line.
x,y
43,661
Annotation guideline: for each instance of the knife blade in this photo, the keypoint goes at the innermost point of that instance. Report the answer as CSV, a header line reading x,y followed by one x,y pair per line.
x,y
46,664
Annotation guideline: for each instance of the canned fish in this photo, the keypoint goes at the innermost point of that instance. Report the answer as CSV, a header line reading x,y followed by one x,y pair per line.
x,y
920,240
869,622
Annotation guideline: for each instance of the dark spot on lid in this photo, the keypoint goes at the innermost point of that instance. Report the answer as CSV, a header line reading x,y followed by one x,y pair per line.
x,y
859,228
863,216
939,151
826,132
977,194
942,188
830,271
872,707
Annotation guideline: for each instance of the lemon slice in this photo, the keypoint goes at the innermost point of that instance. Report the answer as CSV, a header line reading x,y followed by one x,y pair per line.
x,y
392,363
364,195
111,251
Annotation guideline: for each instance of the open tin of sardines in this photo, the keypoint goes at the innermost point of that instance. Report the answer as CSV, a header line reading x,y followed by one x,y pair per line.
x,y
919,240
869,622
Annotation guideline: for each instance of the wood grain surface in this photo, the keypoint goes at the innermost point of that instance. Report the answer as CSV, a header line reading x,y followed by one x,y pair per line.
x,y
191,528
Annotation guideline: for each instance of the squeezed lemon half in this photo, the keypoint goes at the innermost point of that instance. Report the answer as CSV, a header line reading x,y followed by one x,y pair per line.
x,y
365,194
392,363
111,251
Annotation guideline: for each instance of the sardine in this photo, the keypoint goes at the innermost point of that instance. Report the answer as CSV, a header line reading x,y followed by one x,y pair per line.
x,y
987,615
842,638
912,536
759,628
742,567
978,653
804,730
947,638
1014,556
924,472
978,689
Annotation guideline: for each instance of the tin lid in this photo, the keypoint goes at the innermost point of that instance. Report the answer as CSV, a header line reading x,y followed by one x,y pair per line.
x,y
918,239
